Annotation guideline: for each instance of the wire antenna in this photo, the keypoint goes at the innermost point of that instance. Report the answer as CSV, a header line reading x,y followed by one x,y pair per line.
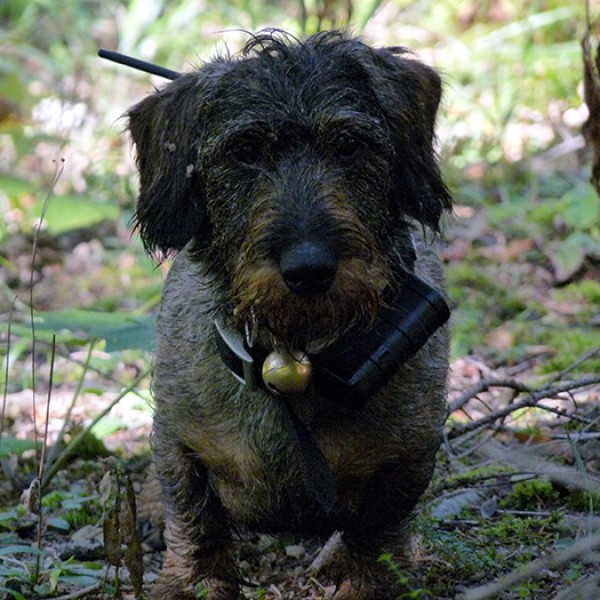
x,y
136,63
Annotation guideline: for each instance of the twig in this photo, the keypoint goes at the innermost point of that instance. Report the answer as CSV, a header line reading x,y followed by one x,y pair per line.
x,y
67,418
484,386
6,370
580,548
34,248
585,588
87,366
48,400
325,556
42,458
587,16
577,437
81,593
74,444
577,363
530,401
566,476
303,17
39,454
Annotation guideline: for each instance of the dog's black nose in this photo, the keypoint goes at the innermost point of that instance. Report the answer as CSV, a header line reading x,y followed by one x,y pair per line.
x,y
308,268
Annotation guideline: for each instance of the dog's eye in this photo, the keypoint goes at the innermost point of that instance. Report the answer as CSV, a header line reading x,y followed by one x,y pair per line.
x,y
249,150
346,144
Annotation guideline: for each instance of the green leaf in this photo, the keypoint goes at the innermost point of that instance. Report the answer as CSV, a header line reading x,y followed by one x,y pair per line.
x,y
87,568
120,331
14,186
10,445
81,581
22,549
65,213
582,208
58,523
106,426
567,257
16,595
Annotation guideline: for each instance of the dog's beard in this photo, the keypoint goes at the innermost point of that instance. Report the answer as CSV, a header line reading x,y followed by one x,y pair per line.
x,y
308,323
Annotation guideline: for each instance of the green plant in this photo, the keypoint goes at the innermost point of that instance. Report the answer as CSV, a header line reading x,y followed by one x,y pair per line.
x,y
403,579
18,572
579,211
468,548
585,502
535,494
75,507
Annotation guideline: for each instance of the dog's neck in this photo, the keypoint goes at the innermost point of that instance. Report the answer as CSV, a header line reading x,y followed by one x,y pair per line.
x,y
353,368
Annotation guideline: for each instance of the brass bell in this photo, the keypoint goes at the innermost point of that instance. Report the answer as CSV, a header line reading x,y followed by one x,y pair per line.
x,y
287,372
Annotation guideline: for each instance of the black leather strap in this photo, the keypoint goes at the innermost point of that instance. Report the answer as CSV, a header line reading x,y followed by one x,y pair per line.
x,y
316,474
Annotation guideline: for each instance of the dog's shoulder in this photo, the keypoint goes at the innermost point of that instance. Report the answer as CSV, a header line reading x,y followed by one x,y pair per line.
x,y
187,301
428,265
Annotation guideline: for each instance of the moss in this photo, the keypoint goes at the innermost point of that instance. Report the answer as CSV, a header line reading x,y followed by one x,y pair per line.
x,y
532,495
571,344
582,501
584,293
483,546
478,473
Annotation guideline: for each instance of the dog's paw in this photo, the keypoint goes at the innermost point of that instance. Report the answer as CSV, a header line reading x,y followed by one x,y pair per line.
x,y
208,589
163,592
215,589
347,590
361,589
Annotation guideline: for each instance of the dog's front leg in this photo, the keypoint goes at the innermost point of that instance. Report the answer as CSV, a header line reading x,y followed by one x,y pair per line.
x,y
198,537
382,527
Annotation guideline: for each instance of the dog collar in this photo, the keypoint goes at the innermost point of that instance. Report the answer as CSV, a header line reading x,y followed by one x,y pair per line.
x,y
352,369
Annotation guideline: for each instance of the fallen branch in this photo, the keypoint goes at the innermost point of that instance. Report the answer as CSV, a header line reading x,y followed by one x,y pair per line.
x,y
531,400
83,593
586,588
582,547
485,385
567,476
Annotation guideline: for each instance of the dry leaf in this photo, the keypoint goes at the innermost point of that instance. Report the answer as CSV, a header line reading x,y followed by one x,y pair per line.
x,y
121,539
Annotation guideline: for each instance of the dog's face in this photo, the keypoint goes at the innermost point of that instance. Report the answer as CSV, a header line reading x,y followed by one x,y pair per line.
x,y
294,170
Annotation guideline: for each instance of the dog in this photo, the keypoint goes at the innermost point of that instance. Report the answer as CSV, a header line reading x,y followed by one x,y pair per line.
x,y
298,186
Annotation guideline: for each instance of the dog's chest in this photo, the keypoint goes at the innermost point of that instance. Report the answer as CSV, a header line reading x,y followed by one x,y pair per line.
x,y
254,461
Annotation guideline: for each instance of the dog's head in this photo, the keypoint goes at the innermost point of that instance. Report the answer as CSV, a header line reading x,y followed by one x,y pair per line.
x,y
295,169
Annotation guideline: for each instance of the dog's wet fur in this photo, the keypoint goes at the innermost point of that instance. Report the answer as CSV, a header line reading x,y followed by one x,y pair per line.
x,y
293,182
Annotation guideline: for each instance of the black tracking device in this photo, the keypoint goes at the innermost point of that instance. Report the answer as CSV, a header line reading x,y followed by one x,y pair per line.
x,y
361,361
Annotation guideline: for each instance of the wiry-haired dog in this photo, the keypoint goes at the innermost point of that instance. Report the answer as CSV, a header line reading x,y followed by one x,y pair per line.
x,y
297,182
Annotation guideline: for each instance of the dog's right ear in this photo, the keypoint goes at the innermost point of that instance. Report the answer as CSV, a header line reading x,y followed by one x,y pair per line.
x,y
166,131
409,93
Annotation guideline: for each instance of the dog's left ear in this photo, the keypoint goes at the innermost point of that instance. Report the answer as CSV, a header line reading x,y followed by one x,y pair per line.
x,y
409,93
165,128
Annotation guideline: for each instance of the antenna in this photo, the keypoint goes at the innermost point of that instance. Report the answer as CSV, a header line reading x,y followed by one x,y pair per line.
x,y
136,63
